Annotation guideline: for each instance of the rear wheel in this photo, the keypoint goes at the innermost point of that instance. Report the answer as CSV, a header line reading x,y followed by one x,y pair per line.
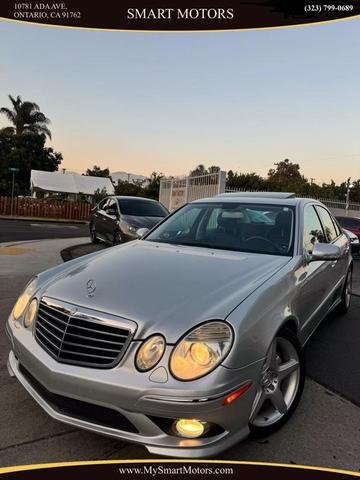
x,y
344,305
281,384
93,236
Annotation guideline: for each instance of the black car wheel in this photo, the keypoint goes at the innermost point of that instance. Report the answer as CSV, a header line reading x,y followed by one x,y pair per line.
x,y
117,238
93,236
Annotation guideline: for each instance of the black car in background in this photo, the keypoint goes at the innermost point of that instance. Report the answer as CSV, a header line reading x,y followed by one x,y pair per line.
x,y
116,219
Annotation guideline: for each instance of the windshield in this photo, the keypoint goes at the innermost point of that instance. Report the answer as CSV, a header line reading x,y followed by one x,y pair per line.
x,y
141,208
240,227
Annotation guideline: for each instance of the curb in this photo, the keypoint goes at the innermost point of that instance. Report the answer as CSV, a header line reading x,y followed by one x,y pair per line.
x,y
67,255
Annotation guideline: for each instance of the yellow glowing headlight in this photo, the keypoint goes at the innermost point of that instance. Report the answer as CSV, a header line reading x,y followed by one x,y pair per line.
x,y
150,353
30,313
201,350
23,300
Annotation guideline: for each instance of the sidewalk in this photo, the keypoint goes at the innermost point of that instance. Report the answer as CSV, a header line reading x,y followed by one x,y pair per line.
x,y
23,259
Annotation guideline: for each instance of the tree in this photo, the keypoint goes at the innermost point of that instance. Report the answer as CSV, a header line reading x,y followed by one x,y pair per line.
x,y
285,171
97,172
25,152
25,117
198,171
99,194
152,190
246,181
287,177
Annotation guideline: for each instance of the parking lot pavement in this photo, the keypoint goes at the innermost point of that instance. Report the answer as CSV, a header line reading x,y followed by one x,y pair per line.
x,y
324,430
19,230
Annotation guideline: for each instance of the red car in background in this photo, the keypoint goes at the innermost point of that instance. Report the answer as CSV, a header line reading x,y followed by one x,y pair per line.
x,y
350,223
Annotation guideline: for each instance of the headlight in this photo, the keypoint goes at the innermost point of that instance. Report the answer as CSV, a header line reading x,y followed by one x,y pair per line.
x,y
30,313
24,299
201,351
150,353
132,228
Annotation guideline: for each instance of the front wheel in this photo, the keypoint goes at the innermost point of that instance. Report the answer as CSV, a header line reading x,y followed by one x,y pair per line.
x,y
93,236
344,305
117,238
281,384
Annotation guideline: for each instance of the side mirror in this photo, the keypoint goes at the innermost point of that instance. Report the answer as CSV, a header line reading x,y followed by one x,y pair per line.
x,y
325,252
141,232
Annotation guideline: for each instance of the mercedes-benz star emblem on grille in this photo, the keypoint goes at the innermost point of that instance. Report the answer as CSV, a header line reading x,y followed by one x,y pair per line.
x,y
90,287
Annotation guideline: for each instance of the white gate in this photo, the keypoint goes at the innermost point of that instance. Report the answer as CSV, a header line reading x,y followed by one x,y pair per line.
x,y
175,192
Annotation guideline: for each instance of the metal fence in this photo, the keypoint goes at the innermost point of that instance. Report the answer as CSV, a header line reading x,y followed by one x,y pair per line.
x,y
337,207
175,192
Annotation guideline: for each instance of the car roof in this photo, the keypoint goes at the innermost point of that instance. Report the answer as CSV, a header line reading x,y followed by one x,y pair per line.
x,y
128,197
259,194
271,198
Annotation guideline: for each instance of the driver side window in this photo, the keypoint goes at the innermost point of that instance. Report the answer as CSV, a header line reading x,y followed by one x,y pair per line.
x,y
181,226
313,232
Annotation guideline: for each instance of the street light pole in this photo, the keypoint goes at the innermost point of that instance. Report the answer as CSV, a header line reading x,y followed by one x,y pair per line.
x,y
347,196
13,170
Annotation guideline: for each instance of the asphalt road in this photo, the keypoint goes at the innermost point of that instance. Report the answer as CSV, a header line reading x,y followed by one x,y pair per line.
x,y
22,230
324,430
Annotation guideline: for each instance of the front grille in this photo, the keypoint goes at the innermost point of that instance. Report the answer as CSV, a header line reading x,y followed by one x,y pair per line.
x,y
79,339
86,411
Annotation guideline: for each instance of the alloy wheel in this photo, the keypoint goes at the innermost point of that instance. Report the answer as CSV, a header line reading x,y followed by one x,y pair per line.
x,y
279,384
348,288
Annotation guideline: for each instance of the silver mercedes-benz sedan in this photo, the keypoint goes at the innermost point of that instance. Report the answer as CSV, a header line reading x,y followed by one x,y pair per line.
x,y
192,337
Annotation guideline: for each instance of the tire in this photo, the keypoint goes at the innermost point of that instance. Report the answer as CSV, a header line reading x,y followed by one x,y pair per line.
x,y
117,238
280,388
344,305
93,236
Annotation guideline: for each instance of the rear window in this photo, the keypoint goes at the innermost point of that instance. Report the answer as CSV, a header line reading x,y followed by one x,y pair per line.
x,y
141,208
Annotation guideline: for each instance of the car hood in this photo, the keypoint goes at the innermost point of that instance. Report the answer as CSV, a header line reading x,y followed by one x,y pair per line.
x,y
164,288
142,222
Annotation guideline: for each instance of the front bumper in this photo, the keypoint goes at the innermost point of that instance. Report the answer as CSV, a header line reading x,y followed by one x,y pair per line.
x,y
124,391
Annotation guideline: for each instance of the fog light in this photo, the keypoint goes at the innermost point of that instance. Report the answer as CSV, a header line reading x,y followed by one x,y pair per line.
x,y
190,428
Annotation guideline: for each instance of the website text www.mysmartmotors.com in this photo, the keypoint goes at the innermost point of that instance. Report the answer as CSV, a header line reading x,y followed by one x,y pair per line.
x,y
155,470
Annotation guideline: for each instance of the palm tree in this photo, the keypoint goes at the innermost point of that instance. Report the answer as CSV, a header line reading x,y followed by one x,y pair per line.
x,y
25,118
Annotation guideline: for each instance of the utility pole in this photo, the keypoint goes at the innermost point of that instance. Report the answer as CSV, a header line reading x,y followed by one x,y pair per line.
x,y
13,170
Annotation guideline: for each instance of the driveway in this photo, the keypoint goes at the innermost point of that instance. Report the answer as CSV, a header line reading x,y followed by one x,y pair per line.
x,y
20,230
324,430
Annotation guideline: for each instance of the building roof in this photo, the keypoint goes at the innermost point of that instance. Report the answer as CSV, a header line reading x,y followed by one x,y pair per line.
x,y
69,182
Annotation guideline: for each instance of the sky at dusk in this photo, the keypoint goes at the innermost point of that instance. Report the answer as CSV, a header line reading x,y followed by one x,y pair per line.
x,y
166,102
